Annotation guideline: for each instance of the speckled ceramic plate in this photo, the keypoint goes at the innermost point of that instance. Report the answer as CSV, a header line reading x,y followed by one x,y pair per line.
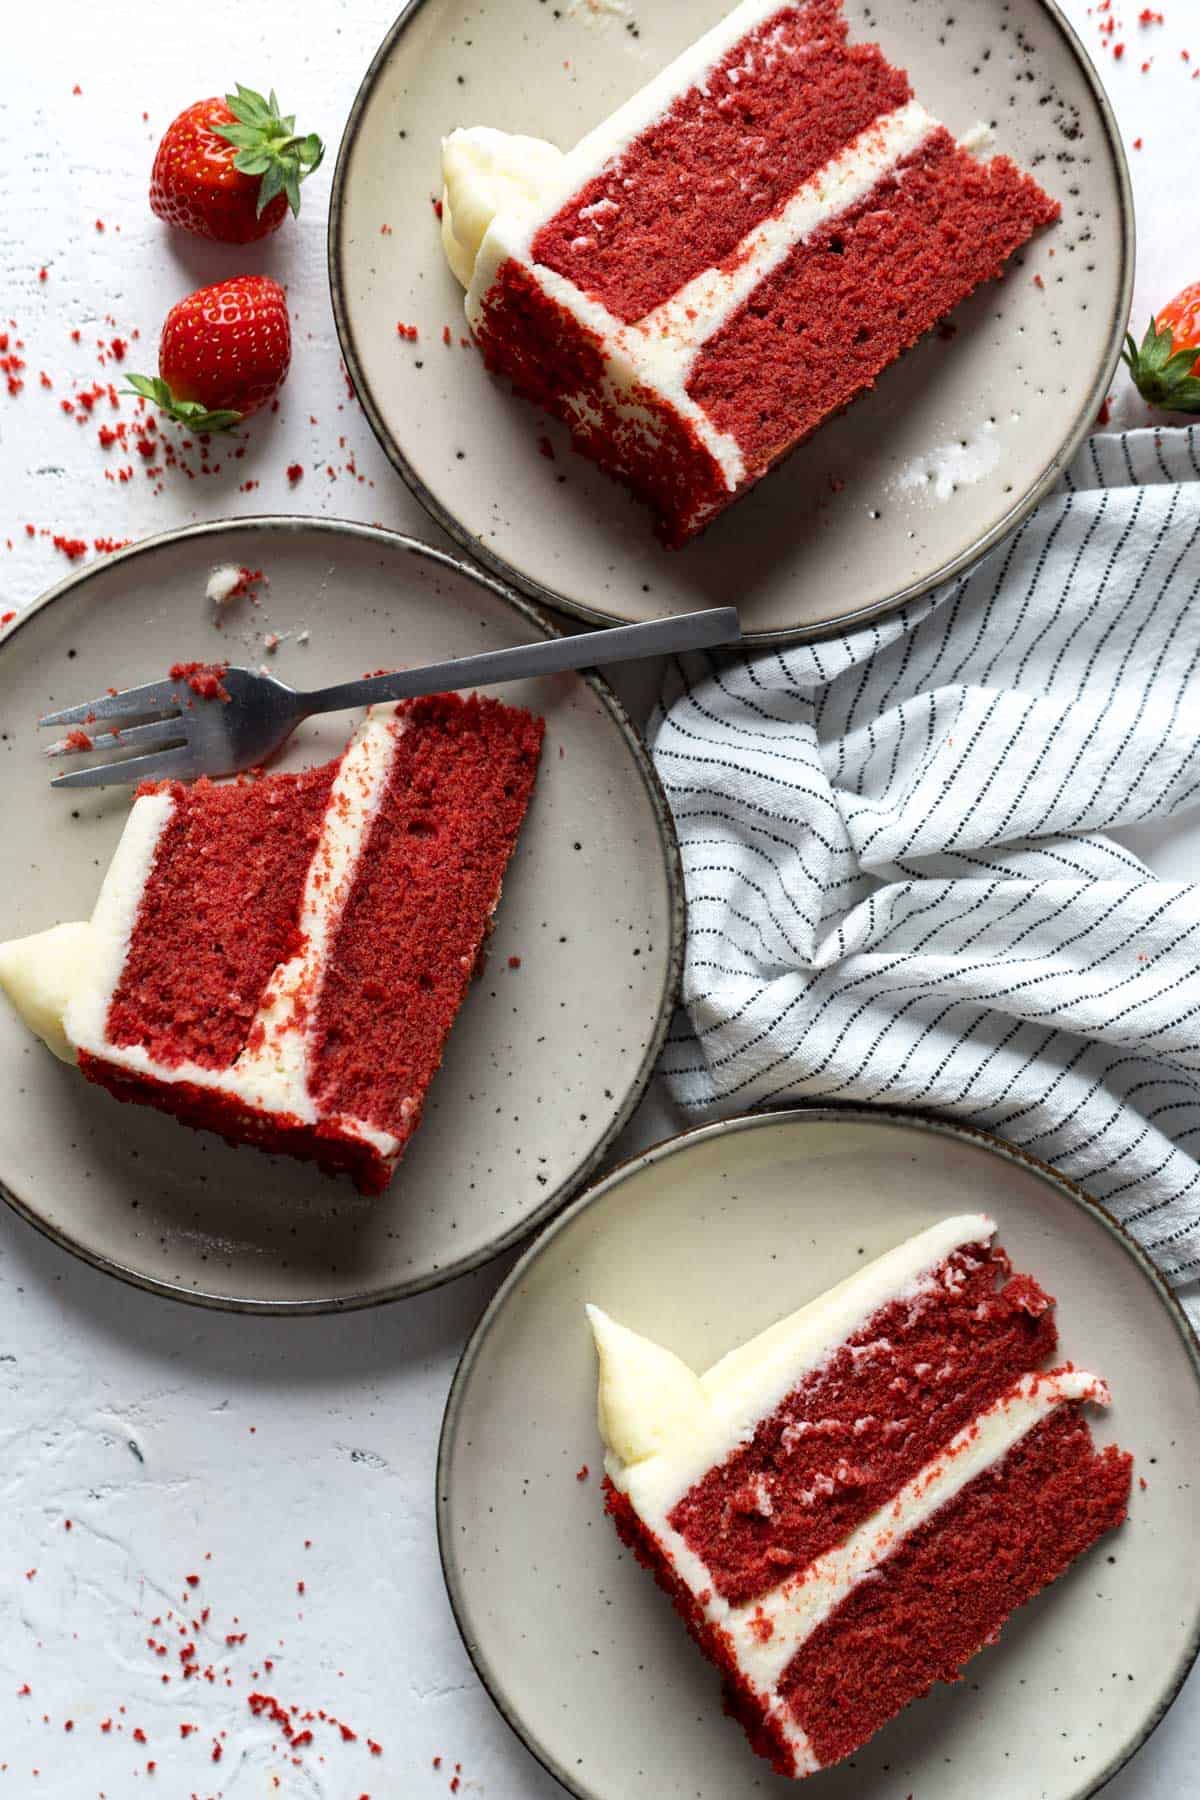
x,y
700,1243
546,1061
912,484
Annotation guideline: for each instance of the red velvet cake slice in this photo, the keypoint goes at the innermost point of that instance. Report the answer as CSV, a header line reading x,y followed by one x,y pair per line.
x,y
280,960
731,257
848,1507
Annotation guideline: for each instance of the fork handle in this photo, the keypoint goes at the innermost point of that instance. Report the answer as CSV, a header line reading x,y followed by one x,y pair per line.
x,y
584,650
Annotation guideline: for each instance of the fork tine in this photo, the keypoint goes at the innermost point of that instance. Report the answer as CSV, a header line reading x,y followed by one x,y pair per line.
x,y
162,765
158,735
130,703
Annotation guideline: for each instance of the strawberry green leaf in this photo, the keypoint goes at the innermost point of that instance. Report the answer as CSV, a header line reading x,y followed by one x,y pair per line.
x,y
1163,375
270,185
196,417
267,146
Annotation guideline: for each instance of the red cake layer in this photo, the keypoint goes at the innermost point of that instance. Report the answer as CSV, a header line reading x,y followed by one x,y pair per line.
x,y
849,300
560,365
410,936
721,159
946,1591
843,1442
277,1133
217,915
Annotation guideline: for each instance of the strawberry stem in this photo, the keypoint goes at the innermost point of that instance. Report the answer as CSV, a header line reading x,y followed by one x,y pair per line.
x,y
269,146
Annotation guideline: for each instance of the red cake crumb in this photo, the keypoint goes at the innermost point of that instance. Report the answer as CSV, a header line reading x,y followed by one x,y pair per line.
x,y
206,680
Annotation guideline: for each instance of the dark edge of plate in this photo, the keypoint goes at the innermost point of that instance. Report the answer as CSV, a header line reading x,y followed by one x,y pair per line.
x,y
672,869
920,1121
957,565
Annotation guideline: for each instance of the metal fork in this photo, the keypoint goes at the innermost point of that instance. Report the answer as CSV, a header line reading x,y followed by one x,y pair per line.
x,y
181,735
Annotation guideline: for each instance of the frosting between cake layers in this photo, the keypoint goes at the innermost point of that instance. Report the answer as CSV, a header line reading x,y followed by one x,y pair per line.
x,y
800,1604
677,329
273,1068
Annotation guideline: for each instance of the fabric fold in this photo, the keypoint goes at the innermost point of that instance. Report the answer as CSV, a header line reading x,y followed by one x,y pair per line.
x,y
901,884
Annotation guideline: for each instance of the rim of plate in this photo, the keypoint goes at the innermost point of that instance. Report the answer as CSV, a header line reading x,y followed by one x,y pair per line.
x,y
936,1126
672,867
948,571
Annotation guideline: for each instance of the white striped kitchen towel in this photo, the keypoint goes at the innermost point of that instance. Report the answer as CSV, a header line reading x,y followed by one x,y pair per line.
x,y
899,888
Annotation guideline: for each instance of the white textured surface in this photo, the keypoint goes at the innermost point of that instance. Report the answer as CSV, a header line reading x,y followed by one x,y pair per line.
x,y
345,1411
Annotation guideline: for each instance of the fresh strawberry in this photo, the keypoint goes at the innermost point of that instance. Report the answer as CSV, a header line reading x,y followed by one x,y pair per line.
x,y
1165,366
228,169
224,353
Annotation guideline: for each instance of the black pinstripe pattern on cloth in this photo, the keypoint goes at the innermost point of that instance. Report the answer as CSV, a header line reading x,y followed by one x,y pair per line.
x,y
900,886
